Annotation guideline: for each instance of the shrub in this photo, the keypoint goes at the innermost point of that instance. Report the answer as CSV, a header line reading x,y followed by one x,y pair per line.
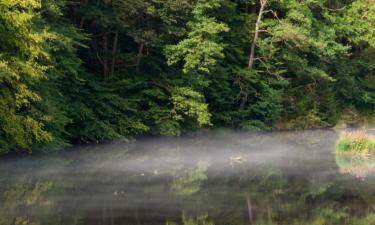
x,y
356,142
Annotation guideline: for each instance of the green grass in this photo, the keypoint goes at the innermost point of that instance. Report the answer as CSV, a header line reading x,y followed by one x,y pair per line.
x,y
356,142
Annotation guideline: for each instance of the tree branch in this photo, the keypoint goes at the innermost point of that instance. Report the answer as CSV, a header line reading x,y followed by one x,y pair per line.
x,y
253,46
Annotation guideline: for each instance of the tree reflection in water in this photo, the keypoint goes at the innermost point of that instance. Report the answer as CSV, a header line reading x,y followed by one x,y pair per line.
x,y
359,166
283,179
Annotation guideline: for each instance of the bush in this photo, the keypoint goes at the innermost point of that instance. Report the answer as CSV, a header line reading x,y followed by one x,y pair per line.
x,y
356,142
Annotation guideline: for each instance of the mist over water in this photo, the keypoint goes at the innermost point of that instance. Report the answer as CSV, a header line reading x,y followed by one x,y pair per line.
x,y
218,177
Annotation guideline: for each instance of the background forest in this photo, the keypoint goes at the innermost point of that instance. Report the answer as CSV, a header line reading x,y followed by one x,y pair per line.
x,y
74,71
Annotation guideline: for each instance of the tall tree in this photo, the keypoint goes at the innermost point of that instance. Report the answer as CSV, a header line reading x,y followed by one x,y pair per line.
x,y
22,67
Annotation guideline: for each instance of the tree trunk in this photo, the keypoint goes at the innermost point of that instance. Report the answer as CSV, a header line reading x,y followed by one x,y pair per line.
x,y
256,35
114,50
105,58
249,210
139,57
263,3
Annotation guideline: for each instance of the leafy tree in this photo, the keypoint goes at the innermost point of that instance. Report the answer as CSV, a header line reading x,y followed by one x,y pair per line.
x,y
202,47
98,70
22,67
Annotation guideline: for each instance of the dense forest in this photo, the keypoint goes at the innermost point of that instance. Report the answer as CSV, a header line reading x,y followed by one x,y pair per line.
x,y
77,71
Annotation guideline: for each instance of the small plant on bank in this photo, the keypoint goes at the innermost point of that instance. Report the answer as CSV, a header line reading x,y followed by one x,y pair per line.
x,y
356,142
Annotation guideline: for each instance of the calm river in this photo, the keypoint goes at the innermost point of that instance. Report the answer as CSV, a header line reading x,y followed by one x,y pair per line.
x,y
215,178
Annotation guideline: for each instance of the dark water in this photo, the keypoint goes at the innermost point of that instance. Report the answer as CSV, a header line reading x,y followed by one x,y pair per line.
x,y
284,178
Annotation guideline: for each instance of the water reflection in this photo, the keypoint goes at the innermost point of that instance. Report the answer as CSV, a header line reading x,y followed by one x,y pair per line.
x,y
215,178
201,220
189,182
24,203
358,165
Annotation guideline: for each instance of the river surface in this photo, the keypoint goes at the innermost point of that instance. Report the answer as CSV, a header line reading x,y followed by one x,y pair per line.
x,y
214,178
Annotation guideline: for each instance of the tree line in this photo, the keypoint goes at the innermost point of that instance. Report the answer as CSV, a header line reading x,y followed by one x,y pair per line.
x,y
97,70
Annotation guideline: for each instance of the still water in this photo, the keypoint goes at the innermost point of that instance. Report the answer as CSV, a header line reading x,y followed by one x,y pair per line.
x,y
214,178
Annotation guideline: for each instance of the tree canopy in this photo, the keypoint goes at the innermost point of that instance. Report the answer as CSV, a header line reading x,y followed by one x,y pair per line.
x,y
98,70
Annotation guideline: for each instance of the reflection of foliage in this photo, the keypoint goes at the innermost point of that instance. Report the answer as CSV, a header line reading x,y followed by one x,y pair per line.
x,y
201,220
190,181
368,219
357,165
20,197
333,216
356,142
278,199
280,192
327,216
320,216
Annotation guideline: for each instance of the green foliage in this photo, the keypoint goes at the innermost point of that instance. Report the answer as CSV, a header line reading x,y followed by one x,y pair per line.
x,y
98,113
189,103
175,110
356,146
356,142
21,68
92,71
201,49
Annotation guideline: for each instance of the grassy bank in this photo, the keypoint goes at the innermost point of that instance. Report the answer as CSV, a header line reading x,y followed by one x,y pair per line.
x,y
356,142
